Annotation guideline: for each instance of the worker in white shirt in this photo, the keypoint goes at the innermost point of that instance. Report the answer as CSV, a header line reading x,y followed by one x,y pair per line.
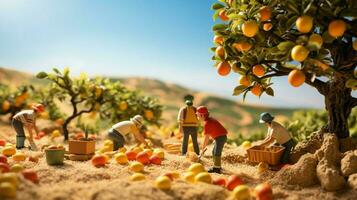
x,y
26,118
276,132
121,129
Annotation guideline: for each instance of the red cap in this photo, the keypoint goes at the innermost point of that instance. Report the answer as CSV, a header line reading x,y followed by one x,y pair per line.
x,y
202,110
38,107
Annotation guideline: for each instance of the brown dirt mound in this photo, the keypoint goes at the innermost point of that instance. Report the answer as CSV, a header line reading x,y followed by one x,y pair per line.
x,y
328,171
349,163
352,181
308,146
303,173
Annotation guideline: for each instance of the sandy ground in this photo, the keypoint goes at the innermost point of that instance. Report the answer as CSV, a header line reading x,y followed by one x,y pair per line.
x,y
81,180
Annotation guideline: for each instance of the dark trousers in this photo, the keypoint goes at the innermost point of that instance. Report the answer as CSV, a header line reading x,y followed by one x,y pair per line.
x,y
217,150
20,133
117,138
219,144
187,131
285,158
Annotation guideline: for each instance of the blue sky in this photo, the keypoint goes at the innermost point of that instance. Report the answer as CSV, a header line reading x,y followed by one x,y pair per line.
x,y
162,39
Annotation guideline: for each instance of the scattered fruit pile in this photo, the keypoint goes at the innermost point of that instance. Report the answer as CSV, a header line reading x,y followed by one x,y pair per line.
x,y
9,173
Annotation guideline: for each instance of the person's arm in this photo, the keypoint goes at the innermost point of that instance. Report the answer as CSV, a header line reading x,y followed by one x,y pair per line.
x,y
180,120
267,141
35,127
139,136
205,142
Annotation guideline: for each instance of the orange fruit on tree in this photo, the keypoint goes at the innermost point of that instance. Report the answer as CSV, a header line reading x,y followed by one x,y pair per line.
x,y
244,80
299,53
316,40
267,26
265,13
354,45
123,105
220,52
149,114
250,28
258,70
242,46
296,78
304,24
337,28
5,105
223,15
218,39
257,90
224,68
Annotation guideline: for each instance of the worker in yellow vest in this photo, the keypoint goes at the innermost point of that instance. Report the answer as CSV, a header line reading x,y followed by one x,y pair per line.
x,y
188,122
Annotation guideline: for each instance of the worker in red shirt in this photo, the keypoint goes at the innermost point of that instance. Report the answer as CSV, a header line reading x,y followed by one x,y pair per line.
x,y
213,129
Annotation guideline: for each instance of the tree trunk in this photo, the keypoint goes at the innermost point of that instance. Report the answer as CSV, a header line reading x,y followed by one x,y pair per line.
x,y
65,130
339,107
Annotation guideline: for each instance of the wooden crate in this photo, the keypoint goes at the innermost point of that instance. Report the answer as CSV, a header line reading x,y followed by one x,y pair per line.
x,y
173,148
270,155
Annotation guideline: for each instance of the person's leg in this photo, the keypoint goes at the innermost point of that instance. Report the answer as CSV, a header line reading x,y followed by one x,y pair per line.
x,y
285,158
217,153
117,138
20,134
186,135
193,133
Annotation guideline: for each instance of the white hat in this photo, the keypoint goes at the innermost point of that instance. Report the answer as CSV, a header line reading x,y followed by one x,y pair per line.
x,y
138,120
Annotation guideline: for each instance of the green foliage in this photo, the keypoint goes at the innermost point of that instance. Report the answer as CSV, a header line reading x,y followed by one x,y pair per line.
x,y
303,123
12,101
110,99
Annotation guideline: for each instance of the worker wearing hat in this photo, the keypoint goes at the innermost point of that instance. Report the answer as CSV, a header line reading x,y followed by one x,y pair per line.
x,y
213,129
276,132
26,118
121,129
188,122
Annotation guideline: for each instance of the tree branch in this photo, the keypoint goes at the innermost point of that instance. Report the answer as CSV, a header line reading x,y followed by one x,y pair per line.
x,y
278,73
321,86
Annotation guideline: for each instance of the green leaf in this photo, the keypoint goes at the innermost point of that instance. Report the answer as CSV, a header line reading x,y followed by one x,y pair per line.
x,y
215,15
245,94
218,27
351,83
286,46
236,16
291,22
56,70
41,75
239,90
66,71
306,10
292,7
217,6
269,91
327,38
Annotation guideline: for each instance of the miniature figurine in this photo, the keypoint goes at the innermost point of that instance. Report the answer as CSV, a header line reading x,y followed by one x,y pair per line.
x,y
276,132
188,122
26,118
119,130
213,129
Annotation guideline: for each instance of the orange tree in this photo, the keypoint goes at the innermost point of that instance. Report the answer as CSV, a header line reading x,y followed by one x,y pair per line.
x,y
110,99
13,101
310,41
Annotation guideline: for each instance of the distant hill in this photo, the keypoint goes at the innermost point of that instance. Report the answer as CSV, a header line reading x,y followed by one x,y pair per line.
x,y
236,116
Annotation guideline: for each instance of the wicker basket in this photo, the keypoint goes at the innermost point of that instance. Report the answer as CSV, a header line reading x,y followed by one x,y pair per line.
x,y
269,155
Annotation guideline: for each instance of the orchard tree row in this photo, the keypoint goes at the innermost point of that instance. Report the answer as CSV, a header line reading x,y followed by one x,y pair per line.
x,y
101,98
